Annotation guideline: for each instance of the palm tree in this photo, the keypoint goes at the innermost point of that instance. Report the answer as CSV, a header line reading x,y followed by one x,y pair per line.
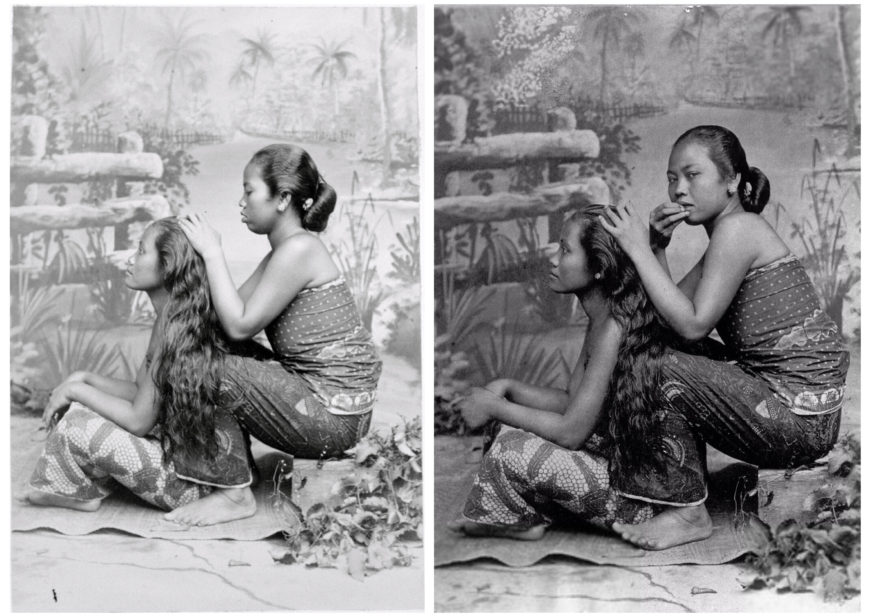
x,y
700,15
240,77
331,60
198,82
179,50
689,33
256,51
84,72
783,23
610,23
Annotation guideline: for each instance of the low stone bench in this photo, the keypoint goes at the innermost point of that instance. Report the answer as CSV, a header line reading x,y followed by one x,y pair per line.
x,y
783,494
312,480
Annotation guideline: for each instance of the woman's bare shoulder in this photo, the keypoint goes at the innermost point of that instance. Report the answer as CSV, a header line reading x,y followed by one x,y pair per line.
x,y
753,235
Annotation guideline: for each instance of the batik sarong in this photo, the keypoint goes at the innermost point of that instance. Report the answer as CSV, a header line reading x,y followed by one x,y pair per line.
x,y
312,396
777,405
87,456
525,480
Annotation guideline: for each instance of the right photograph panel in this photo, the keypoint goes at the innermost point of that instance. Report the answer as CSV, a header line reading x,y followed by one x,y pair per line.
x,y
647,317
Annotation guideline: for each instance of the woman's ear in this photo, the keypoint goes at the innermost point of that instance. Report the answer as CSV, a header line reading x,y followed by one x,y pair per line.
x,y
733,184
284,203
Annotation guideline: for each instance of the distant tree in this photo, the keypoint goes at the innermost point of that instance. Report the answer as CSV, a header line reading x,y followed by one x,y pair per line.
x,y
331,61
84,71
396,26
457,71
848,62
782,23
179,51
240,77
609,25
257,51
35,89
700,16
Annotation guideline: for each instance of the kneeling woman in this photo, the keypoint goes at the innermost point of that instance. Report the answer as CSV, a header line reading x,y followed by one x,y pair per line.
x,y
557,462
145,434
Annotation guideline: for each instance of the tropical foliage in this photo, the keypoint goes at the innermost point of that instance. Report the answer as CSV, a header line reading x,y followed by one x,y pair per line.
x,y
331,61
180,51
371,518
823,555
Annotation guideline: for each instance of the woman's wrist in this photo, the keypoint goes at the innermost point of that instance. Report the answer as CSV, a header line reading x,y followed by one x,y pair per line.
x,y
212,254
73,390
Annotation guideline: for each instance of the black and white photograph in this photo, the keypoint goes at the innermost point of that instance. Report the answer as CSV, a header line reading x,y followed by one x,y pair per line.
x,y
647,318
216,384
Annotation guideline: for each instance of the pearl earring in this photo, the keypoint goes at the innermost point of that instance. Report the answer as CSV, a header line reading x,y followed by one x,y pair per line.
x,y
597,276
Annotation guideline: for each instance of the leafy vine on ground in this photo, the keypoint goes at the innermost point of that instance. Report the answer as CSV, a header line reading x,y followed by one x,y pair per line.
x,y
824,554
371,518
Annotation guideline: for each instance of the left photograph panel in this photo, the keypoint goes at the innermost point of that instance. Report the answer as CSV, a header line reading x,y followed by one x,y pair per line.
x,y
215,309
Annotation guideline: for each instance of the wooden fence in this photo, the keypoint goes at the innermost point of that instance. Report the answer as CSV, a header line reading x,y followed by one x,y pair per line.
x,y
755,101
131,165
91,139
533,119
303,136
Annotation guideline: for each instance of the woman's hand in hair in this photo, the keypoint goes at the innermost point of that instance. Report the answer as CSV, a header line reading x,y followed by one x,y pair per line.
x,y
629,231
476,407
201,235
662,222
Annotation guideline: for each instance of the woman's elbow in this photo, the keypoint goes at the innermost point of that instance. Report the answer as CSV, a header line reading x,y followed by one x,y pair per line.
x,y
140,429
694,331
570,441
141,423
238,332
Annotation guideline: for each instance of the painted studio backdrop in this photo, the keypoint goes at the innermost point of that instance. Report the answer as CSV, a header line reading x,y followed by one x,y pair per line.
x,y
517,86
540,109
124,115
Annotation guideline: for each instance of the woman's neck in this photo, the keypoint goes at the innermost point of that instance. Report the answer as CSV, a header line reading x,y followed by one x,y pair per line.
x,y
159,298
287,227
733,205
594,305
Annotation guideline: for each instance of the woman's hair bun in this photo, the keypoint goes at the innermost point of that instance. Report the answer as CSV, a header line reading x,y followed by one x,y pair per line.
x,y
317,215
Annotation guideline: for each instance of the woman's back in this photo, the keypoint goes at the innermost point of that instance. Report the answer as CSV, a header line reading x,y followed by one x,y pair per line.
x,y
320,337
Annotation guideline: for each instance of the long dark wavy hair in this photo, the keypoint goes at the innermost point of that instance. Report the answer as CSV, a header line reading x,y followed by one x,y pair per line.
x,y
188,362
633,394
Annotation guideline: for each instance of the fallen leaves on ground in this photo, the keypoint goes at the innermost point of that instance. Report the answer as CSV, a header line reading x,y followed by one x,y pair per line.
x,y
368,520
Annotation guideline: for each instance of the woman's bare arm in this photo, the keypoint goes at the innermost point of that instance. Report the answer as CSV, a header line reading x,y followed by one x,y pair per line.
x,y
572,427
526,394
125,390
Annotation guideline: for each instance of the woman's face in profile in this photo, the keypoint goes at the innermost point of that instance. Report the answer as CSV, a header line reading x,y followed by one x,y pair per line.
x,y
143,268
570,268
259,207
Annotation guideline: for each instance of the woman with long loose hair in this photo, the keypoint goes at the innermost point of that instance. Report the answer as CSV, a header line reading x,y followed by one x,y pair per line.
x,y
557,463
312,394
148,434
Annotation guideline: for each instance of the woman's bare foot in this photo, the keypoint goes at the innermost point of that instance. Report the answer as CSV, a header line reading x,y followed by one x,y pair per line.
x,y
45,499
474,529
222,505
673,526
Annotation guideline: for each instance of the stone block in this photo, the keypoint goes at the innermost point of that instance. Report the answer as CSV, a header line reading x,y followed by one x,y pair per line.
x,y
783,494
